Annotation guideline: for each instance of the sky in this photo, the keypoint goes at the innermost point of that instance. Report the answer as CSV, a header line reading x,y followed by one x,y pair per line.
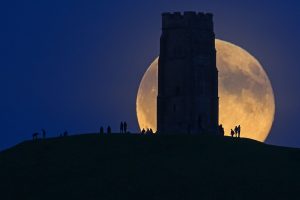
x,y
76,65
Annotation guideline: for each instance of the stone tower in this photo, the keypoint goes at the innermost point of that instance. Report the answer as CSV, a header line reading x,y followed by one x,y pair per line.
x,y
187,100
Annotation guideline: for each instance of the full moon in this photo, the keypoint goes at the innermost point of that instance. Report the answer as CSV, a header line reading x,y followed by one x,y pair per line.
x,y
246,96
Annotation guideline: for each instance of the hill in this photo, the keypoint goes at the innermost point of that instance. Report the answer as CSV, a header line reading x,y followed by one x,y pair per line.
x,y
94,166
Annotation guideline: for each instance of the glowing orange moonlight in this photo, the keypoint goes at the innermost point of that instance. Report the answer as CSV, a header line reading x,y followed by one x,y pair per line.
x,y
246,94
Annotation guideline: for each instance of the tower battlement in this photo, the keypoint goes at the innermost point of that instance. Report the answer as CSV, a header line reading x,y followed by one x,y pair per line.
x,y
189,19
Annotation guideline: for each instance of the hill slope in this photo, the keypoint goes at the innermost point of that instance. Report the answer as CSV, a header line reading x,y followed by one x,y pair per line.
x,y
148,167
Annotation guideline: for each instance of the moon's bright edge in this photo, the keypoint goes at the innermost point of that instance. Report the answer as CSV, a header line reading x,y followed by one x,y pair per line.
x,y
246,96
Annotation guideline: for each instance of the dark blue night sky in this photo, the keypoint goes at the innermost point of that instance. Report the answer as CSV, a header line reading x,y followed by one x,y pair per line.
x,y
76,65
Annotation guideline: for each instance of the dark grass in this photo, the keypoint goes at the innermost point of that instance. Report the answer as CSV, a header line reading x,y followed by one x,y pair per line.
x,y
94,166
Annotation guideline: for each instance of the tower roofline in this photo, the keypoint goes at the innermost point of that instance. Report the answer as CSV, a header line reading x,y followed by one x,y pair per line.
x,y
188,18
186,14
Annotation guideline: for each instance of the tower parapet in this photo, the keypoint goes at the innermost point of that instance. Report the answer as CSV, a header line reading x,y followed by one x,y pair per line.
x,y
178,20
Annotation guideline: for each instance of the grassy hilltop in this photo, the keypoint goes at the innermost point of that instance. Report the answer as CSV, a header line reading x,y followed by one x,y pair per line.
x,y
94,166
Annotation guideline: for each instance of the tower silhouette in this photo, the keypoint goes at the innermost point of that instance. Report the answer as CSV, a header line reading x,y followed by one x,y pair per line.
x,y
187,100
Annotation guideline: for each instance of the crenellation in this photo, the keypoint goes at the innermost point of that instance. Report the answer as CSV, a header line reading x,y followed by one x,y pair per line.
x,y
187,14
189,19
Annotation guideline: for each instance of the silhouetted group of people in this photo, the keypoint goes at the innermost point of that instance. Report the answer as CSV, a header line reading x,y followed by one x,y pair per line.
x,y
123,127
108,130
236,132
36,135
64,134
148,131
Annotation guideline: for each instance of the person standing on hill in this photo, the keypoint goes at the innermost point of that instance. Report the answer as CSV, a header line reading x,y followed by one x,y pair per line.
x,y
65,133
239,130
231,133
35,136
236,131
221,130
108,130
101,130
121,127
125,127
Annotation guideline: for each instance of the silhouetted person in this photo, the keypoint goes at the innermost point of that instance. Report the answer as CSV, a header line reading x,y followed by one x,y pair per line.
x,y
143,131
239,130
236,130
108,130
65,133
125,127
231,133
151,131
101,130
221,130
44,133
121,127
35,136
